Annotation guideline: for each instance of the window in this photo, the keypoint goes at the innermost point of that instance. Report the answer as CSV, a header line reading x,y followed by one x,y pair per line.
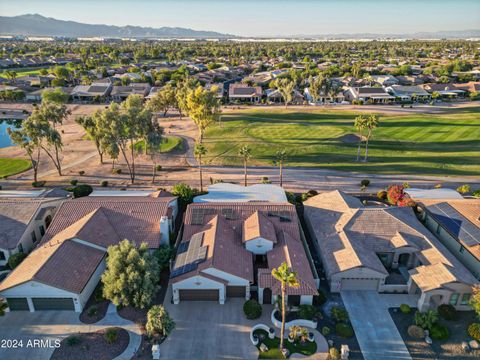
x,y
454,299
34,237
42,230
2,255
465,299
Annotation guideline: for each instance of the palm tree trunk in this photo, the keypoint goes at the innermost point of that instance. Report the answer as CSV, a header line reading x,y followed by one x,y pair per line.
x,y
281,173
201,174
245,170
358,150
282,330
132,173
154,172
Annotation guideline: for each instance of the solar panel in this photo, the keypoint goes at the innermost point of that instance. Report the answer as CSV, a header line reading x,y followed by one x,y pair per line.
x,y
228,213
182,247
456,223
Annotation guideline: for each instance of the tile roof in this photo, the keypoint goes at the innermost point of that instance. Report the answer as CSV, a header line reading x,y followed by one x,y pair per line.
x,y
350,237
257,225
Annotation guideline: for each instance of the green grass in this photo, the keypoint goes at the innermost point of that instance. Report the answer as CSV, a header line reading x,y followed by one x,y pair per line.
x,y
13,166
170,143
25,71
273,345
439,144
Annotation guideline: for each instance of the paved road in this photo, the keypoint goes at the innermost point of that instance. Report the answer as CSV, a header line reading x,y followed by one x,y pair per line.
x,y
376,332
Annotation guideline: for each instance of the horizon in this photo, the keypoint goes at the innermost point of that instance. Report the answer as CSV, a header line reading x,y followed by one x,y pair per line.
x,y
314,17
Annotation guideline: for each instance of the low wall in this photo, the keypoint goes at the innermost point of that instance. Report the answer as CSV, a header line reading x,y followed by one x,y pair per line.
x,y
297,322
401,288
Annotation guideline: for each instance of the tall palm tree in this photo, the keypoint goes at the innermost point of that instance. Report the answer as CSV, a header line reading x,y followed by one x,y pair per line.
x,y
281,157
287,277
370,124
246,153
200,150
360,125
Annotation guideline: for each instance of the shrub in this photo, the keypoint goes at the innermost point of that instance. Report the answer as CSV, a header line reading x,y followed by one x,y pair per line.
x,y
382,195
159,322
37,184
365,182
464,189
406,185
104,183
344,330
82,190
320,299
307,311
184,192
439,332
476,193
116,171
426,320
74,182
312,192
438,186
415,331
158,167
252,309
92,311
404,308
447,311
111,335
474,331
333,353
15,260
325,330
81,173
72,340
339,314
164,255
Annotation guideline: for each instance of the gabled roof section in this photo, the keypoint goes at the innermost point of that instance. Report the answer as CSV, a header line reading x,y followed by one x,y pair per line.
x,y
258,226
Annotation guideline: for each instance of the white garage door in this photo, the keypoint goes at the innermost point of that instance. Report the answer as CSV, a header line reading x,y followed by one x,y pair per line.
x,y
359,284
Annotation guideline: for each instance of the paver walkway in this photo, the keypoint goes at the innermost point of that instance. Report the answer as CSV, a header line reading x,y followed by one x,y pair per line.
x,y
376,332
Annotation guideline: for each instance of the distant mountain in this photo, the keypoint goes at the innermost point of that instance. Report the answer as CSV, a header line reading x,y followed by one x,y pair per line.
x,y
38,25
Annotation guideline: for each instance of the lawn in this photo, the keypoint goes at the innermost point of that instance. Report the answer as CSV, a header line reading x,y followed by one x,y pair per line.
x,y
169,143
25,71
13,166
440,144
273,345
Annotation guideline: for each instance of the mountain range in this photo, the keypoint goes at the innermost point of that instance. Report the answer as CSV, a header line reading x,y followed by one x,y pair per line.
x,y
38,25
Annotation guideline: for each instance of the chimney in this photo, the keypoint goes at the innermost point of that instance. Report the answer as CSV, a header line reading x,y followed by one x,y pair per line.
x,y
164,231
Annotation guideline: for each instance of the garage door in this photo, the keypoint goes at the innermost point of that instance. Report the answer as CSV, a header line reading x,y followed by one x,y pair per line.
x,y
236,291
53,304
199,295
18,304
360,284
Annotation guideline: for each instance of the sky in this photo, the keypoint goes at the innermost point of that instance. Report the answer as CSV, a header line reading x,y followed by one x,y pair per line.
x,y
264,17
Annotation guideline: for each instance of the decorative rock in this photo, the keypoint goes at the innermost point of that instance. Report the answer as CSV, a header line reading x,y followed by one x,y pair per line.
x,y
474,344
465,346
344,352
156,352
428,340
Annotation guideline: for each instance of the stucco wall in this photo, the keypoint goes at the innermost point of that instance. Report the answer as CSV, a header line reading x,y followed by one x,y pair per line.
x,y
198,282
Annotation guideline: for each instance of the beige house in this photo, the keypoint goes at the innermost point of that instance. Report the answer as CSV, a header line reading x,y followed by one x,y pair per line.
x,y
384,249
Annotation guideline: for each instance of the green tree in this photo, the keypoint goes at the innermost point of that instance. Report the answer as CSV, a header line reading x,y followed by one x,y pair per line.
x,y
55,95
246,153
475,299
281,157
184,193
203,108
154,140
287,278
163,100
361,125
159,323
132,275
371,124
15,260
200,151
91,126
164,254
286,87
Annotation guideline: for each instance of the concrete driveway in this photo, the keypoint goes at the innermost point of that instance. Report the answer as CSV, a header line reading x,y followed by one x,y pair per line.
x,y
376,332
208,330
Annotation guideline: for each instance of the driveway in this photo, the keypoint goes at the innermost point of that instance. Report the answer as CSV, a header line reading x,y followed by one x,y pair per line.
x,y
208,330
376,332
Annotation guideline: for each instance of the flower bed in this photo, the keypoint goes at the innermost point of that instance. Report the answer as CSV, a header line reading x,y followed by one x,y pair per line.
x,y
291,320
307,348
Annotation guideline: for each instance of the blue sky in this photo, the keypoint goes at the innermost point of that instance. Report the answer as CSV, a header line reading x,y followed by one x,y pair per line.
x,y
264,17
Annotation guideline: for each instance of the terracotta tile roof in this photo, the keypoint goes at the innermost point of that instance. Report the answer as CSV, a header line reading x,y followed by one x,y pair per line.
x,y
223,226
257,225
351,237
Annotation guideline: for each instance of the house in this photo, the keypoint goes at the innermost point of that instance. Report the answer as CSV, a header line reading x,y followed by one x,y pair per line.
x,y
244,93
228,249
409,93
94,92
120,93
407,80
274,96
383,80
375,95
64,269
324,98
470,87
34,80
219,88
227,192
384,249
24,220
446,91
456,223
36,96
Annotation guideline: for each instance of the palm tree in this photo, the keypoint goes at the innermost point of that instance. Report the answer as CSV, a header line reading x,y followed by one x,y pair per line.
x,y
200,150
287,277
370,124
246,154
281,156
360,125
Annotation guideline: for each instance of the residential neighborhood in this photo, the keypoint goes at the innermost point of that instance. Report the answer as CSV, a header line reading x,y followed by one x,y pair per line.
x,y
222,180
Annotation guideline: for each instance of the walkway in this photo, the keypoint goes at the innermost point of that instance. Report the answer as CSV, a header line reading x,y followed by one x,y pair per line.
x,y
376,332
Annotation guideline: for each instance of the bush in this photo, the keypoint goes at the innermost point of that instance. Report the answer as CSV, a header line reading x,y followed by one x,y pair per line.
x,y
447,311
73,340
164,254
415,331
158,167
312,192
15,260
439,332
464,189
74,182
382,195
365,182
426,320
339,314
184,192
81,173
320,299
116,171
474,331
37,184
404,308
344,330
252,309
159,322
333,354
111,335
476,193
104,183
82,190
307,311
325,330
92,311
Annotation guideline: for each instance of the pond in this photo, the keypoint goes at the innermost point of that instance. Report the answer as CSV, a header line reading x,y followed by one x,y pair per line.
x,y
4,138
